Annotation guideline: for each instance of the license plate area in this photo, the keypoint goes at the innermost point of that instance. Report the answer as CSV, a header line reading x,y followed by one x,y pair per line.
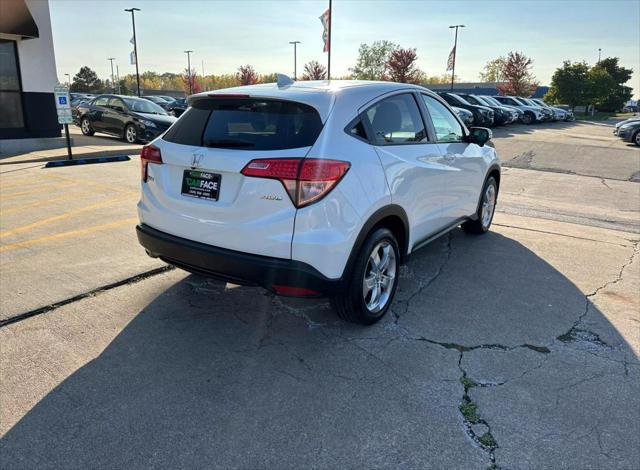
x,y
201,184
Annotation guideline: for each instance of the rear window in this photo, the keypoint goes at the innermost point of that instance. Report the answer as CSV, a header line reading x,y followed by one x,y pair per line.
x,y
255,124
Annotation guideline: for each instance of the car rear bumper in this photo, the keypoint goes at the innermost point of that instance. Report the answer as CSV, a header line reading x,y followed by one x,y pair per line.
x,y
281,276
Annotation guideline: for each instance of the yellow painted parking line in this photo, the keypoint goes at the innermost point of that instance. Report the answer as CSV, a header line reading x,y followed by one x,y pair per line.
x,y
51,200
70,184
17,183
41,188
66,197
71,234
66,215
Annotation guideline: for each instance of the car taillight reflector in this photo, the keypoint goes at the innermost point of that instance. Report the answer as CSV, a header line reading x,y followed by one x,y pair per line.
x,y
148,154
306,179
295,291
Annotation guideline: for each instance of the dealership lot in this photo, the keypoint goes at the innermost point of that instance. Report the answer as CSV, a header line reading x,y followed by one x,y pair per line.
x,y
533,329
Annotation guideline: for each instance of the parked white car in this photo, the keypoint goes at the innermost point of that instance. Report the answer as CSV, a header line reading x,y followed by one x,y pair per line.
x,y
559,113
314,188
531,113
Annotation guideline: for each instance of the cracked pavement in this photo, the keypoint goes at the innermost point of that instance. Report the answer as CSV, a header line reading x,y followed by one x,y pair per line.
x,y
516,350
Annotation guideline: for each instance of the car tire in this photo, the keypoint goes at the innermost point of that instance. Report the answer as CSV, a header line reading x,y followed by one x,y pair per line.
x,y
369,291
636,138
85,126
486,209
528,118
130,134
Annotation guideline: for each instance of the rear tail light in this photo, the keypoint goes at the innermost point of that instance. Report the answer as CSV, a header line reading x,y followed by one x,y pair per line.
x,y
306,179
148,154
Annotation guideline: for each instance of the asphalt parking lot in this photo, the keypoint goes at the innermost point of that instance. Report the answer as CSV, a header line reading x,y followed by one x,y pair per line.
x,y
518,349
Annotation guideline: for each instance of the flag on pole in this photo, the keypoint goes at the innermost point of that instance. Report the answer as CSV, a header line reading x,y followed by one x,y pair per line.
x,y
325,19
132,57
452,58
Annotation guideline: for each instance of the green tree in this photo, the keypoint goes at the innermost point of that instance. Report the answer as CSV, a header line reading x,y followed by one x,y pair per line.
x,y
618,94
438,79
372,60
269,78
492,71
569,84
599,86
86,81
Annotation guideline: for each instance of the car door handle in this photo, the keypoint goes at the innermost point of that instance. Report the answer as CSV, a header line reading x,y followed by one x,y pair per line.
x,y
449,157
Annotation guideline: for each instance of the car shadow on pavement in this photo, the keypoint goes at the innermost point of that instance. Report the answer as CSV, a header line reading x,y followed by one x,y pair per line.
x,y
207,376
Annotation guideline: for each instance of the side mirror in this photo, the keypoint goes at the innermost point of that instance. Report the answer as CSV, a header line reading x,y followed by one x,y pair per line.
x,y
480,135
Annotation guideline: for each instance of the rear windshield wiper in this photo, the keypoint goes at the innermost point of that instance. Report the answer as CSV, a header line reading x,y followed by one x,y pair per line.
x,y
228,143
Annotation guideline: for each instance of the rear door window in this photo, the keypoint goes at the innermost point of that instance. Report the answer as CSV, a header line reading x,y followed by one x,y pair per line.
x,y
396,120
255,124
101,101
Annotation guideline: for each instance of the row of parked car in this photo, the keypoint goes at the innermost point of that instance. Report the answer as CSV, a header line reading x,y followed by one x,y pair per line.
x,y
490,111
173,106
629,130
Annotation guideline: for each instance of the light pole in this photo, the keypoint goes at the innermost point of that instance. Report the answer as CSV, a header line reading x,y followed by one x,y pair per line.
x,y
113,83
68,80
189,70
455,47
135,44
295,58
599,52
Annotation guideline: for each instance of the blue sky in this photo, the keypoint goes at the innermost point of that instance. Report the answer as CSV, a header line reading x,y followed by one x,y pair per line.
x,y
226,34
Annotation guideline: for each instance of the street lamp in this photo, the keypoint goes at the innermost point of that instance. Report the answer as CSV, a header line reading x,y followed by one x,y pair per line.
x,y
113,83
295,58
455,47
135,44
599,52
68,80
189,70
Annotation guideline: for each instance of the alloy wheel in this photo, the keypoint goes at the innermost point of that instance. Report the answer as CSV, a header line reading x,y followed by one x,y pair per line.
x,y
130,135
636,139
488,205
86,128
379,277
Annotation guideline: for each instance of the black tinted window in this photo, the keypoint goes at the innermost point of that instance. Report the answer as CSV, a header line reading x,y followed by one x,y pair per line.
x,y
396,120
189,128
357,130
247,124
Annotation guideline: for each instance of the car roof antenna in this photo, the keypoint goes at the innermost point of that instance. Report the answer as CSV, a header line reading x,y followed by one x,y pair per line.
x,y
283,80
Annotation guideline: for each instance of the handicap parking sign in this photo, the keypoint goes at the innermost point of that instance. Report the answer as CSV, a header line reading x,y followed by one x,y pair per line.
x,y
62,99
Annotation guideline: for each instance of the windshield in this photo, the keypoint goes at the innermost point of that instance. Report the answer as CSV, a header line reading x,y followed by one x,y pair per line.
x,y
521,101
143,106
482,101
491,100
541,103
459,98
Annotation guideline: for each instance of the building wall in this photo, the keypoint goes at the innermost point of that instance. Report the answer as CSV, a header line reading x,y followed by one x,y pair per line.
x,y
37,58
38,77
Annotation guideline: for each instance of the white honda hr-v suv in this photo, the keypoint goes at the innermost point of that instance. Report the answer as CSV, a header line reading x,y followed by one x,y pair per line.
x,y
314,188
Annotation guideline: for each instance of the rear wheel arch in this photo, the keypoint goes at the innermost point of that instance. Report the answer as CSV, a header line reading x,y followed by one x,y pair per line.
x,y
493,171
392,217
